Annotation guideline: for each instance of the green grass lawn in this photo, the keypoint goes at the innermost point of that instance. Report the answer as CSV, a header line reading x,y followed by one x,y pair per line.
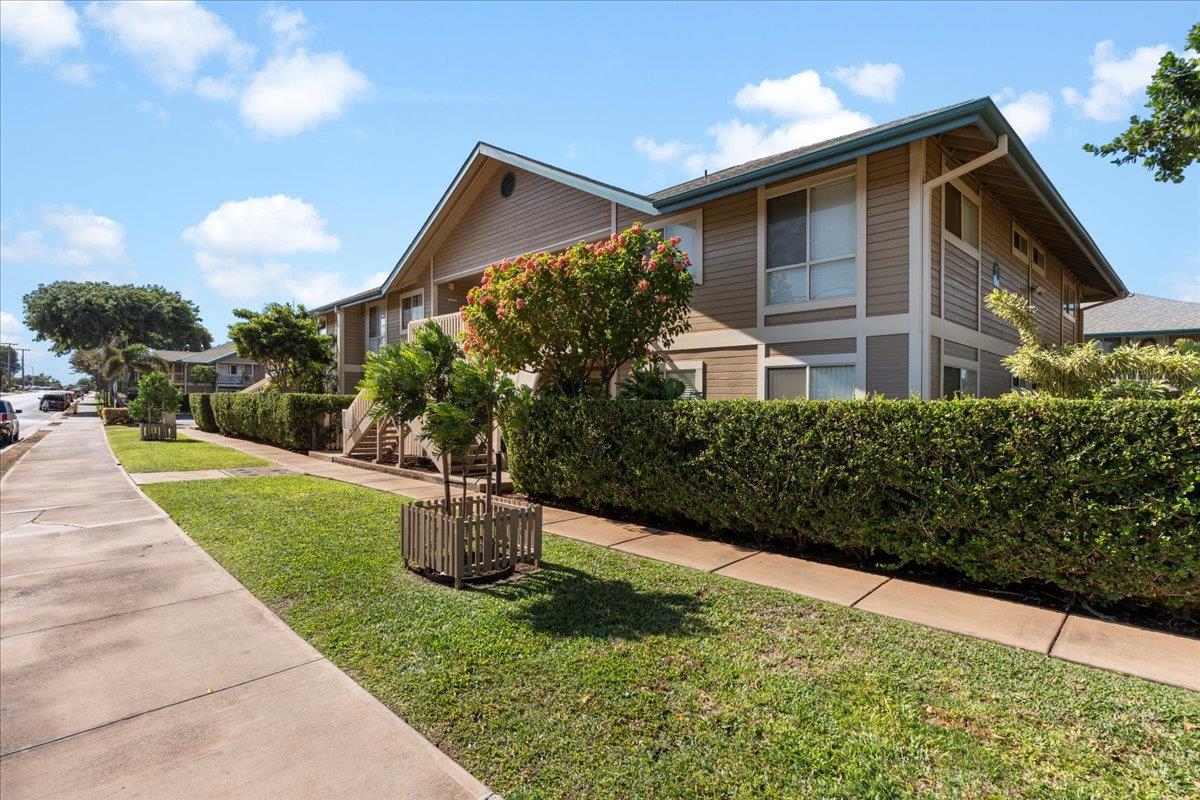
x,y
181,454
606,675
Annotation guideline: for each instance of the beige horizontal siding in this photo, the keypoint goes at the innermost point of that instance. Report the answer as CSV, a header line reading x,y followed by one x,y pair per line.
x,y
887,365
962,293
814,347
887,232
815,315
354,333
729,373
451,300
726,299
956,350
933,168
935,367
996,248
994,377
540,213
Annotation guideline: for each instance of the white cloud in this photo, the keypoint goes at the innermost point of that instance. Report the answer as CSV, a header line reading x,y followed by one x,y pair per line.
x,y
68,237
298,91
275,225
1116,81
220,89
242,281
874,81
40,29
810,112
78,74
10,327
289,26
1030,113
170,38
1189,289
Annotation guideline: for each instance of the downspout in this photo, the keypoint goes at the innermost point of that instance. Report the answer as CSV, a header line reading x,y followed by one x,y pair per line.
x,y
1000,151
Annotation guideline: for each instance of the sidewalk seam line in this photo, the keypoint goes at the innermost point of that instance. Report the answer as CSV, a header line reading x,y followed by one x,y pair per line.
x,y
163,707
735,561
82,563
123,613
885,582
1058,633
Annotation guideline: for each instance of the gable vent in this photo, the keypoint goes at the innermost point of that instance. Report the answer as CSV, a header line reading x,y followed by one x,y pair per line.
x,y
508,184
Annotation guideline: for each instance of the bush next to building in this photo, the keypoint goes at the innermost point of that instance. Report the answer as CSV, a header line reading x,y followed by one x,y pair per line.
x,y
202,413
293,420
1098,497
115,416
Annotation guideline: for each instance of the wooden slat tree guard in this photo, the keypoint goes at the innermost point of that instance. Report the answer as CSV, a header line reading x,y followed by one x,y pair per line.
x,y
470,543
157,431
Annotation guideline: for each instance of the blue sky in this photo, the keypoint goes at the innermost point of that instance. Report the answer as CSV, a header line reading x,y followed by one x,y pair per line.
x,y
247,152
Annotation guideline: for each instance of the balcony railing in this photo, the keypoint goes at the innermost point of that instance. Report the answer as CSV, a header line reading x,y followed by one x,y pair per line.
x,y
452,324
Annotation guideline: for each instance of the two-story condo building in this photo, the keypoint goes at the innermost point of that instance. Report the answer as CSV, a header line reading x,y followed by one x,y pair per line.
x,y
854,266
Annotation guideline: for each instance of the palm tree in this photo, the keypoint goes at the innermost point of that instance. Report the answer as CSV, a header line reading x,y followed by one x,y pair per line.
x,y
120,361
398,381
452,431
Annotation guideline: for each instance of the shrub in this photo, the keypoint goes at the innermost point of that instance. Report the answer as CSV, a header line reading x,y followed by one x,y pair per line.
x,y
156,396
202,413
1098,497
295,421
115,416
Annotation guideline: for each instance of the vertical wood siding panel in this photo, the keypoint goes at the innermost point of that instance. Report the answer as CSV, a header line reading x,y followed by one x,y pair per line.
x,y
887,232
887,365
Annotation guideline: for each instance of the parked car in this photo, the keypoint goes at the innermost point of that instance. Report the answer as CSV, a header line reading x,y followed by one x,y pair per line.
x,y
54,402
10,426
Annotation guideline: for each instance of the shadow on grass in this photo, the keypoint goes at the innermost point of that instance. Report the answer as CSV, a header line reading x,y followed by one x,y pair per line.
x,y
567,602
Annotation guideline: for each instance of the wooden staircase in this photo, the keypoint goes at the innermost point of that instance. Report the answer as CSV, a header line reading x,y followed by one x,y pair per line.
x,y
361,434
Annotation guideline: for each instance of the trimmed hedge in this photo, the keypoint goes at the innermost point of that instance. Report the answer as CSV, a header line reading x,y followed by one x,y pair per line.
x,y
115,416
1097,497
202,413
292,420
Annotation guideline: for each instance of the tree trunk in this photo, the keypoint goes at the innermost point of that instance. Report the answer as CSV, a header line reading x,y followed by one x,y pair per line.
x,y
446,478
464,480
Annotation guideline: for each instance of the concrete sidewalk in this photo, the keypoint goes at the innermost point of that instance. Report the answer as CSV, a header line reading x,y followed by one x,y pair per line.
x,y
133,665
1149,654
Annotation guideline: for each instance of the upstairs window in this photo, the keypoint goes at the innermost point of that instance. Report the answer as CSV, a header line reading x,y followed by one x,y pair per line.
x,y
1020,243
962,216
811,244
690,242
412,308
376,324
1039,260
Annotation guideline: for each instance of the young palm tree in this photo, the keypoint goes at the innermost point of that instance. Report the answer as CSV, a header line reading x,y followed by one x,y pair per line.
x,y
479,388
119,361
452,431
398,380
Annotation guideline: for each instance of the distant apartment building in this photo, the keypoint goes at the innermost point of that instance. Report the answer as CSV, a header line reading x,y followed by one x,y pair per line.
x,y
1142,319
233,372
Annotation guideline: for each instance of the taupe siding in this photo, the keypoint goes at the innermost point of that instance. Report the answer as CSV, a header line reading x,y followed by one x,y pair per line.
x,y
451,300
887,232
729,373
540,213
814,347
956,350
726,299
962,298
816,315
354,330
935,367
994,378
933,168
887,365
393,317
1014,275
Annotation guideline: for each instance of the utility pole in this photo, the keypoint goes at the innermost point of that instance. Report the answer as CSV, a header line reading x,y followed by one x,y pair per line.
x,y
22,351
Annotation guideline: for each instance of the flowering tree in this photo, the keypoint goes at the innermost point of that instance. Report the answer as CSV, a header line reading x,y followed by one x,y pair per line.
x,y
575,317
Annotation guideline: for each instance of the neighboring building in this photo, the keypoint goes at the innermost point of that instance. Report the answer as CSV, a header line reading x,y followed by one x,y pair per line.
x,y
1142,319
858,265
233,373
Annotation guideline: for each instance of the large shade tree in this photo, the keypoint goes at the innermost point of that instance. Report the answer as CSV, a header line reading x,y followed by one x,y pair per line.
x,y
81,315
575,317
289,344
1168,141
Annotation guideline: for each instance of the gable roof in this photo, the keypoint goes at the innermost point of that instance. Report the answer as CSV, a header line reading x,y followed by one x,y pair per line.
x,y
198,356
1141,314
982,114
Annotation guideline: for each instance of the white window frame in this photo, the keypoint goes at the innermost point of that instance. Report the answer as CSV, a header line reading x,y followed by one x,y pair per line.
x,y
695,216
1067,282
1024,257
848,172
957,241
372,310
958,363
1035,246
400,309
821,360
670,365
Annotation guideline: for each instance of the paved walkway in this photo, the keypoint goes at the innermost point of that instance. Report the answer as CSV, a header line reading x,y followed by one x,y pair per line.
x,y
133,665
1157,656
